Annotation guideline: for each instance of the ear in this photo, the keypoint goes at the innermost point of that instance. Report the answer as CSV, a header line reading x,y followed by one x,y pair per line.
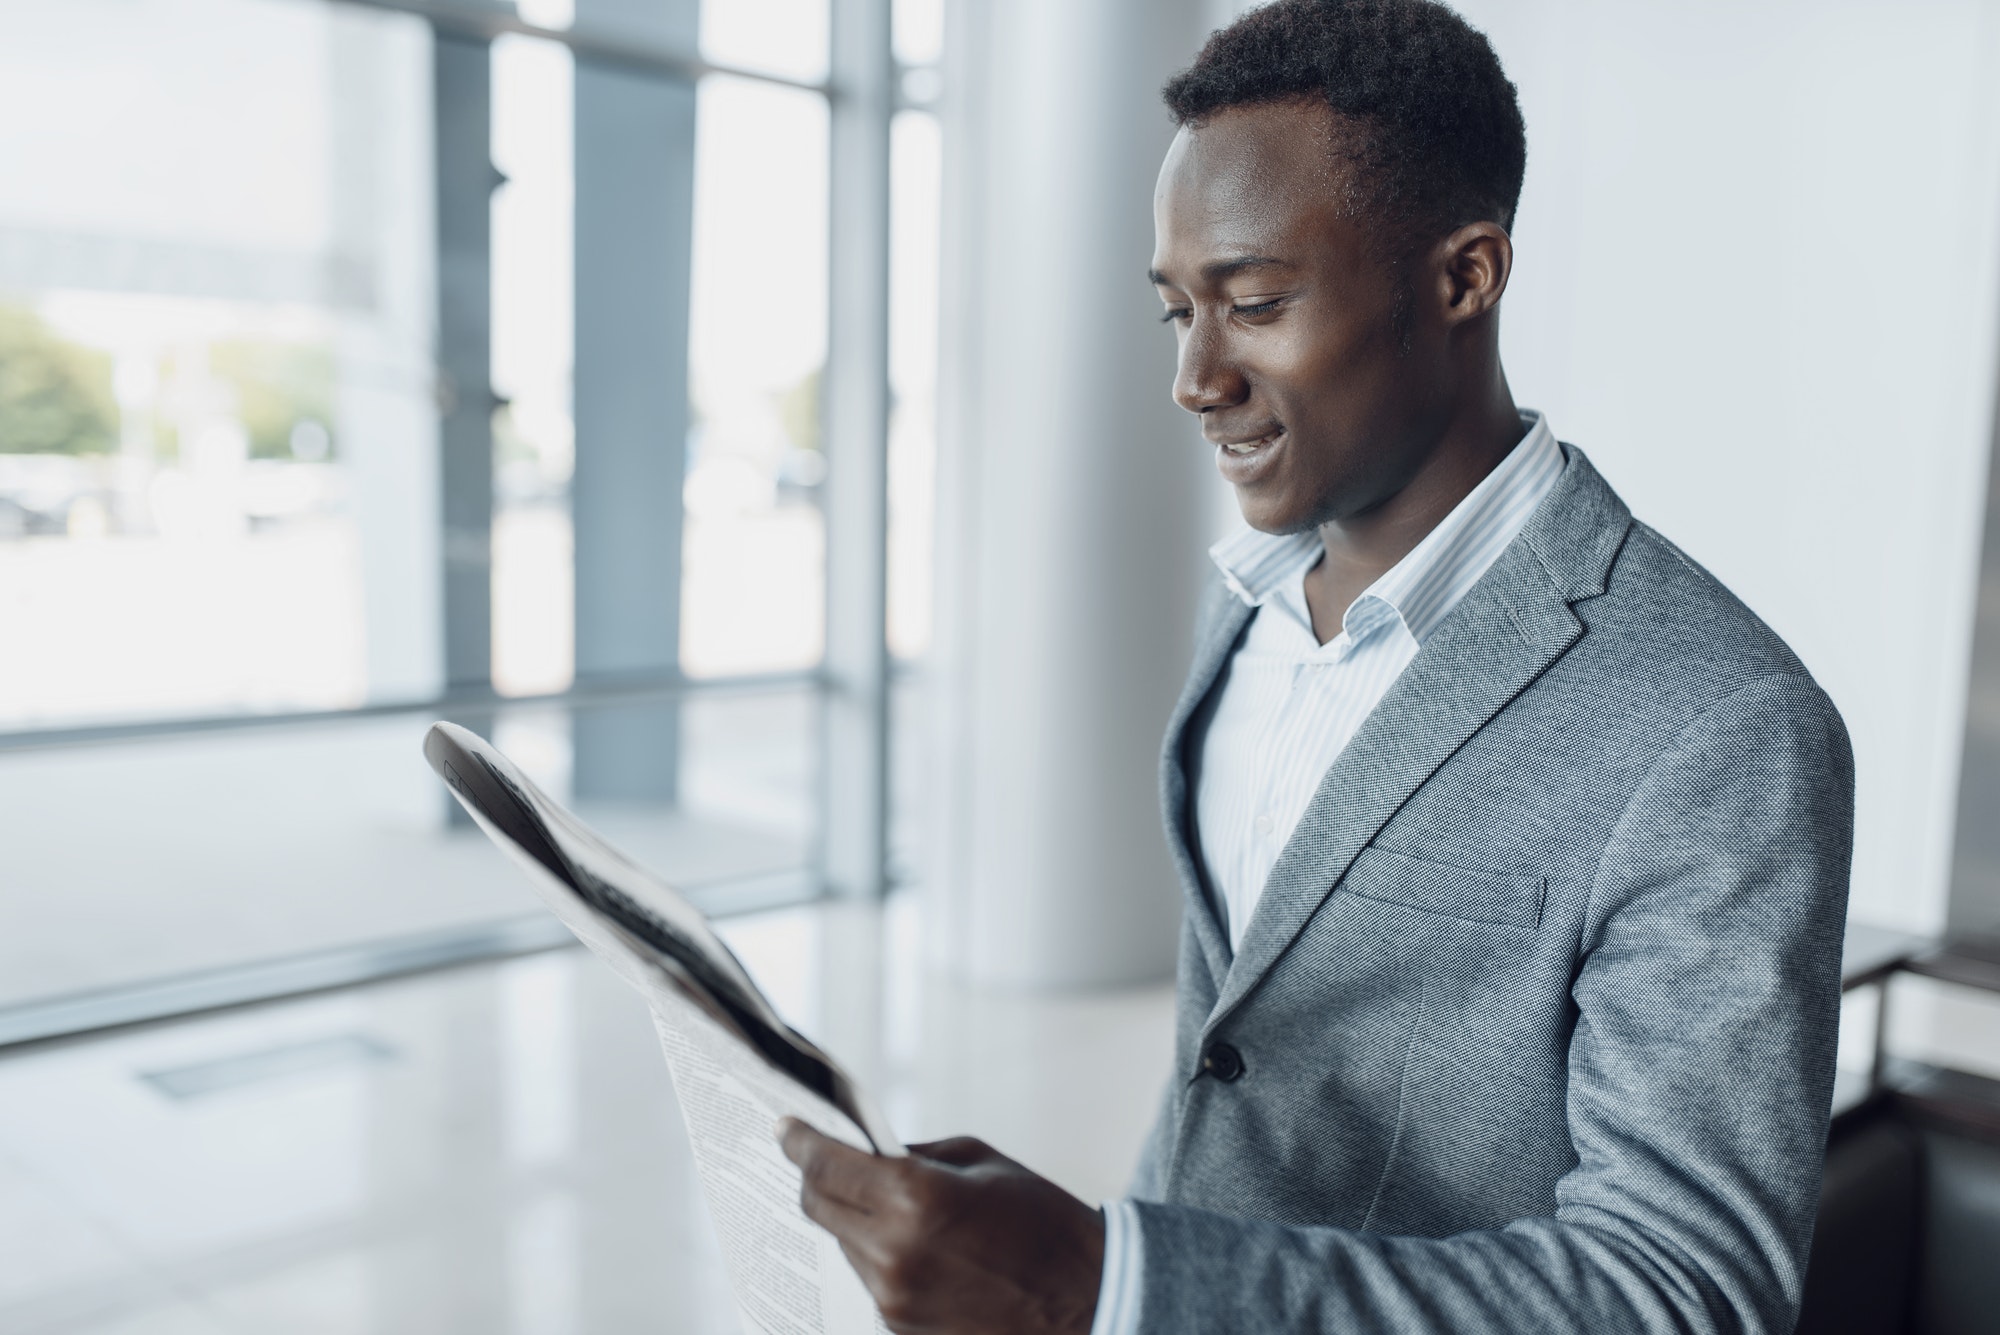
x,y
1473,264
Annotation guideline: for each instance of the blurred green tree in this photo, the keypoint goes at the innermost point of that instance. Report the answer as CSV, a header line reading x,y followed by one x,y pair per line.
x,y
798,409
278,386
55,396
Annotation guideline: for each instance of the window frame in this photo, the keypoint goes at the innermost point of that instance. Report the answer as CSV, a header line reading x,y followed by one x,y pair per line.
x,y
864,89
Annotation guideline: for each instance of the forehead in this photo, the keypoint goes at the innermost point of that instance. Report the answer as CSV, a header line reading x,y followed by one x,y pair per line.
x,y
1251,178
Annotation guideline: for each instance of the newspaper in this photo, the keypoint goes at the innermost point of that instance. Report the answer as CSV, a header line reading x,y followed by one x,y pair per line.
x,y
737,1066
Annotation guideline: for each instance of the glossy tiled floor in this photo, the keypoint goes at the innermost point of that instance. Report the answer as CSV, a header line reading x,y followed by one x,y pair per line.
x,y
494,1149
497,1149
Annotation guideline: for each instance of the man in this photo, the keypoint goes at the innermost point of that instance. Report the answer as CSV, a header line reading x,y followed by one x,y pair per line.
x,y
1516,848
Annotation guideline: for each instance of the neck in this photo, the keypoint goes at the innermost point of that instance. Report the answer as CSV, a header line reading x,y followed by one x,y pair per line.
x,y
1361,549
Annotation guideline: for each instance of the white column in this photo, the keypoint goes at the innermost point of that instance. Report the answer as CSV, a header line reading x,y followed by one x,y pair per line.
x,y
1073,498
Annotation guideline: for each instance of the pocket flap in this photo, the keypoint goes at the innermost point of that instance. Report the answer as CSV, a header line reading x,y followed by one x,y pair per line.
x,y
1506,898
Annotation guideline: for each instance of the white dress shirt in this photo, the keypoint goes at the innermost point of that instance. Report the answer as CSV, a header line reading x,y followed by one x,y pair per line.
x,y
1286,706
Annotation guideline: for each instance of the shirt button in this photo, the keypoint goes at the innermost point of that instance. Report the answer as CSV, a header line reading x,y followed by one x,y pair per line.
x,y
1223,1062
1263,825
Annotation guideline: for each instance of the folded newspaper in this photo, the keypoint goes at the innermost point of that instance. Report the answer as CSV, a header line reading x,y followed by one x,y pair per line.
x,y
737,1066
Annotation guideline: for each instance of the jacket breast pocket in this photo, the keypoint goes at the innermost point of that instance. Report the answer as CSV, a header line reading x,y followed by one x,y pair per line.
x,y
1504,898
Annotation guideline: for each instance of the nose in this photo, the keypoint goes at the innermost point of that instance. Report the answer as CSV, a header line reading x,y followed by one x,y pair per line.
x,y
1207,377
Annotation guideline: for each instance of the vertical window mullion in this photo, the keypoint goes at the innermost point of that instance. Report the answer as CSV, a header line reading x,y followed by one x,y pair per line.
x,y
635,148
462,89
854,834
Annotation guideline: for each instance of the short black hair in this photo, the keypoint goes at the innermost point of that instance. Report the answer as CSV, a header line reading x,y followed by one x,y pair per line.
x,y
1438,138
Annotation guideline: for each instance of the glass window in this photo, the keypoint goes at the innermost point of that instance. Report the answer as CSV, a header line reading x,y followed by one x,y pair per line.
x,y
915,178
217,416
220,487
277,842
753,584
251,845
919,28
915,200
534,641
785,37
557,14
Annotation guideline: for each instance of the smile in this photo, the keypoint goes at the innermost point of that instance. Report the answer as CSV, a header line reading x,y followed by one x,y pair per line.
x,y
1242,447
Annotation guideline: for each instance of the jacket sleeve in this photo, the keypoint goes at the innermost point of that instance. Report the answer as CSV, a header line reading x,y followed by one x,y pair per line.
x,y
1700,1072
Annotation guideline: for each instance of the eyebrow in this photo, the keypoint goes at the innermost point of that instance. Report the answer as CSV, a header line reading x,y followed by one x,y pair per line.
x,y
1222,269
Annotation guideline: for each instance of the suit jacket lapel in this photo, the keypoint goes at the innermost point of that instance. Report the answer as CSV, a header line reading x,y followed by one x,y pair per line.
x,y
1218,642
1509,628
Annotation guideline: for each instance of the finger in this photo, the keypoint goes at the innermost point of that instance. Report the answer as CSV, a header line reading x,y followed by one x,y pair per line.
x,y
867,1264
844,1221
798,1140
860,1237
850,1176
958,1151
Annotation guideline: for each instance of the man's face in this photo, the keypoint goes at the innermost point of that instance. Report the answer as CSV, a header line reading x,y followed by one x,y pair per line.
x,y
1321,402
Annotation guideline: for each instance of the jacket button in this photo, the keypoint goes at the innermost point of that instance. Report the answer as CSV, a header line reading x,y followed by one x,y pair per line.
x,y
1223,1062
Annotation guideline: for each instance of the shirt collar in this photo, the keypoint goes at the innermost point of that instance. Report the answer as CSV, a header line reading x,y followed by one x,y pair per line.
x,y
1426,584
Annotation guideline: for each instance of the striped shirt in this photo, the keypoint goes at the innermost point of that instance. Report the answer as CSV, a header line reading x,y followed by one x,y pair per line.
x,y
1286,706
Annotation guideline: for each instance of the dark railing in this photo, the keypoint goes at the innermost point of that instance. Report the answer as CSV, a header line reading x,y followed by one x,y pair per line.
x,y
1876,958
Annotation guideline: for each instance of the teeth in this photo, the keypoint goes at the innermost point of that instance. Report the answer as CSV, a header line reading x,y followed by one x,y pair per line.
x,y
1252,446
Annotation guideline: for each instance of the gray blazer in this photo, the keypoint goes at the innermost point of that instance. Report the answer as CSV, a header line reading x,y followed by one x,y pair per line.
x,y
1533,1029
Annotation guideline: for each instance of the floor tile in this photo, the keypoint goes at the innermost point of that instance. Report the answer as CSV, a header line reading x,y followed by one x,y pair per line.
x,y
497,1148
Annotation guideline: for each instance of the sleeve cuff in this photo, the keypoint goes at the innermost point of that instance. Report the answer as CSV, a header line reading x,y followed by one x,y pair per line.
x,y
1118,1291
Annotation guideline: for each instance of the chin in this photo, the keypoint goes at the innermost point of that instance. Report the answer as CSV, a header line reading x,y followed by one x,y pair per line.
x,y
1279,516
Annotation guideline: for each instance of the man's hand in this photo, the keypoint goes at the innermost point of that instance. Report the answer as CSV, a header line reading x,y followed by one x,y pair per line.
x,y
956,1238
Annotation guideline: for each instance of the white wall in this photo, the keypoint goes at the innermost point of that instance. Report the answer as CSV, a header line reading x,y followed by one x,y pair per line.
x,y
1756,281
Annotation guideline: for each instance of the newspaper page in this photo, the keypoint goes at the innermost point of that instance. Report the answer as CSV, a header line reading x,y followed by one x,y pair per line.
x,y
788,1275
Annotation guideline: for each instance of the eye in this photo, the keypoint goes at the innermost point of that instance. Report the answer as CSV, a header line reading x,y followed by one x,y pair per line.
x,y
1177,313
1255,309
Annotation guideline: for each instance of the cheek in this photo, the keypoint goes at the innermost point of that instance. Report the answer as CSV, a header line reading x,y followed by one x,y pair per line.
x,y
1321,384
1356,384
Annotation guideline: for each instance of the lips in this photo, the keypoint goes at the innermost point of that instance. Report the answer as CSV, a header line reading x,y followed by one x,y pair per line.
x,y
1253,444
1246,460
